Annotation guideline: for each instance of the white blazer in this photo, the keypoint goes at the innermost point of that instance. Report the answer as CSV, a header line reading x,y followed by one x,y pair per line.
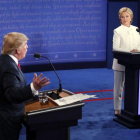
x,y
125,39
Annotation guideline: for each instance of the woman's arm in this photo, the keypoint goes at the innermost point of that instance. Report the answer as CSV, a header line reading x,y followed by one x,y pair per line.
x,y
116,41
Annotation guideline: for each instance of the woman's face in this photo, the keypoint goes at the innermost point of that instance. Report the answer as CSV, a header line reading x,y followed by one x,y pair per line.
x,y
125,19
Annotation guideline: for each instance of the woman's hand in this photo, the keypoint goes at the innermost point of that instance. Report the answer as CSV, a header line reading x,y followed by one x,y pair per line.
x,y
39,83
134,50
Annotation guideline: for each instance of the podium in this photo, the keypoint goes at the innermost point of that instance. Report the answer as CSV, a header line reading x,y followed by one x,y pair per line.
x,y
130,115
49,121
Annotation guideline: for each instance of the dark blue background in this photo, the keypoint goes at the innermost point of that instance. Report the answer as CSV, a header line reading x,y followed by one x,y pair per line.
x,y
62,30
70,54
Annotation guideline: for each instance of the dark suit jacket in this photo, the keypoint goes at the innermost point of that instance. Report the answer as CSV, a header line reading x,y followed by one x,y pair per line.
x,y
13,93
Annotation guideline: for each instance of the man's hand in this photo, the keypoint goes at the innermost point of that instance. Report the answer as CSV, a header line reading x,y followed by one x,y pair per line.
x,y
39,83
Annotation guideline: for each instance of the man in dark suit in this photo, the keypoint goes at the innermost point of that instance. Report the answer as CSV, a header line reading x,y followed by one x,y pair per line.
x,y
13,89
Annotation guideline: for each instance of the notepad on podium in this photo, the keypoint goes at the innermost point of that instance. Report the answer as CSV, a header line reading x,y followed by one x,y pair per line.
x,y
73,98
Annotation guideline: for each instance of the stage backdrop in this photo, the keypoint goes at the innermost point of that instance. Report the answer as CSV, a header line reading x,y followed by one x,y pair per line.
x,y
62,30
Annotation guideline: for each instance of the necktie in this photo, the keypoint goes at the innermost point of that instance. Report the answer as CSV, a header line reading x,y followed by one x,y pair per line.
x,y
19,65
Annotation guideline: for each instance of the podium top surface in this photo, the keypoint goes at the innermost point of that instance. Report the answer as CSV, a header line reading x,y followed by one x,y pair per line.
x,y
127,58
35,107
126,53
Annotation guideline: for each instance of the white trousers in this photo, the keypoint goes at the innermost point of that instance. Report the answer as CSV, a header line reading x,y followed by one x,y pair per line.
x,y
119,79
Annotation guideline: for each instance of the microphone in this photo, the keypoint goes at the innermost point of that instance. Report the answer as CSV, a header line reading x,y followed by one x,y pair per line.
x,y
37,55
138,30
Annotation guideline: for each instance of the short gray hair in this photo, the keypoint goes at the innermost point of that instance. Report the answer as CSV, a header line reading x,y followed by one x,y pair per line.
x,y
12,41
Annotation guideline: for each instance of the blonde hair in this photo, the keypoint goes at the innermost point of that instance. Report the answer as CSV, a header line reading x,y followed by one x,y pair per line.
x,y
128,10
13,41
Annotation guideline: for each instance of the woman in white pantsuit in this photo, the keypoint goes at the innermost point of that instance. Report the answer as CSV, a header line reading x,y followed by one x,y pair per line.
x,y
127,39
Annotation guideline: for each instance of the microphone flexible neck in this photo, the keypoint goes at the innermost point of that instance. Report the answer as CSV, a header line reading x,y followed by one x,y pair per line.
x,y
60,86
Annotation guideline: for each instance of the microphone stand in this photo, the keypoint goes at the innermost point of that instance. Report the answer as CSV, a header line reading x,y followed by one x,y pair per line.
x,y
60,86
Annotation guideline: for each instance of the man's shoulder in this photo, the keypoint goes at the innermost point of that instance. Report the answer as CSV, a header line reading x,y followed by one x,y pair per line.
x,y
6,63
5,59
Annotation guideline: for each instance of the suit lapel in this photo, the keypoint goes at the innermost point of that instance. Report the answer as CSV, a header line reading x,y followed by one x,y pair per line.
x,y
16,66
21,73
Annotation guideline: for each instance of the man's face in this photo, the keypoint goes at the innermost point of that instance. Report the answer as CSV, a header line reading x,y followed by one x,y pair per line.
x,y
22,50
